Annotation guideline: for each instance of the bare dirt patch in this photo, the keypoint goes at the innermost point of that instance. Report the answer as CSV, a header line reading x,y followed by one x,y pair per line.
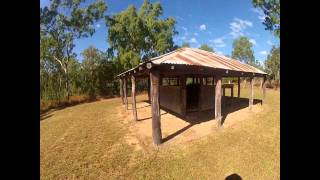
x,y
176,130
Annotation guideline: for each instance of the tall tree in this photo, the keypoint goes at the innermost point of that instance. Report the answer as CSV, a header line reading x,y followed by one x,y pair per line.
x,y
272,64
271,9
206,48
185,44
63,22
136,35
242,50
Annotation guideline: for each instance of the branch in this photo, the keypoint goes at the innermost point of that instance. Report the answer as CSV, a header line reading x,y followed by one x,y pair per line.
x,y
64,69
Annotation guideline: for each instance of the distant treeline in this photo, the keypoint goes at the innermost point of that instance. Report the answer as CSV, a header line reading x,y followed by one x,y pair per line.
x,y
134,35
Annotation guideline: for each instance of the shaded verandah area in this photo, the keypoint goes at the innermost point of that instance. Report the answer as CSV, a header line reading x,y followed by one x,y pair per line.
x,y
196,124
176,99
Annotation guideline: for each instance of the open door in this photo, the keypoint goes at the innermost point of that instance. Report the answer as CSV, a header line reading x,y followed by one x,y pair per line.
x,y
193,92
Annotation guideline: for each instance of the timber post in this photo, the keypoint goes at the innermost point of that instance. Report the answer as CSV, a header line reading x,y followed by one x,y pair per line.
x,y
183,93
238,87
149,89
264,85
155,107
251,93
133,96
217,104
121,89
125,92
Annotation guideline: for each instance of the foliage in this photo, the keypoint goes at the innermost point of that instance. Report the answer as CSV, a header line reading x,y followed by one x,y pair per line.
x,y
132,35
185,44
206,48
271,9
242,50
140,34
272,63
97,72
60,24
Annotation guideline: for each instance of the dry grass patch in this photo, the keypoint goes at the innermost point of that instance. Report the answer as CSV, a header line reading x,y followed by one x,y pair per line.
x,y
98,141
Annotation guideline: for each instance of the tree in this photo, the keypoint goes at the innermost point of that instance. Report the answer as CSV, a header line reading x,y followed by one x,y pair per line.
x,y
63,22
97,72
136,35
185,44
271,9
272,64
257,64
242,50
206,48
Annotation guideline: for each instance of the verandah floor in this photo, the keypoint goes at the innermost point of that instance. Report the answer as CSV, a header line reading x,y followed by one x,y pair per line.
x,y
176,129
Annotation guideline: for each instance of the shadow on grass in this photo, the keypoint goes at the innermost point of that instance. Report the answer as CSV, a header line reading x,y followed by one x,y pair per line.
x,y
137,107
143,119
233,176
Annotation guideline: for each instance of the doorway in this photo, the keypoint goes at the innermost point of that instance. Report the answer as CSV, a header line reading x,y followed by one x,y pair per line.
x,y
193,94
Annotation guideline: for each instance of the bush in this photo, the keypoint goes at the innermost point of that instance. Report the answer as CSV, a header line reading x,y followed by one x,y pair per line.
x,y
46,105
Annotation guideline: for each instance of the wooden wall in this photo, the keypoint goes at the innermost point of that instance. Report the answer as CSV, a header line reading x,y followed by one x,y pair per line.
x,y
170,98
206,97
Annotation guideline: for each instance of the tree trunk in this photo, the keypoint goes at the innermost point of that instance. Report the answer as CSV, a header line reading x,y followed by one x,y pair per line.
x,y
67,85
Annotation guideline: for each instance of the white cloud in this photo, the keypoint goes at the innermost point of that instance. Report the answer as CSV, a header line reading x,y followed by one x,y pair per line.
x,y
98,26
180,18
203,27
218,42
183,38
219,52
263,52
253,41
193,40
261,15
196,34
238,26
184,28
269,42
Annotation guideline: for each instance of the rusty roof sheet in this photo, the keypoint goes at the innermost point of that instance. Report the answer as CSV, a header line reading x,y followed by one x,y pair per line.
x,y
198,57
193,56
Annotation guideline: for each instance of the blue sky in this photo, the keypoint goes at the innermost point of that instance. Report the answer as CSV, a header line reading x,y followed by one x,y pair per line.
x,y
216,23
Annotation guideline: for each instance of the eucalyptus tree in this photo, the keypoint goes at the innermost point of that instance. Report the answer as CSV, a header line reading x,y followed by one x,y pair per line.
x,y
61,23
140,34
206,48
242,50
271,10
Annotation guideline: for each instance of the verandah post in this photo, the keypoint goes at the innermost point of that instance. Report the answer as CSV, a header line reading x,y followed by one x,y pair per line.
x,y
264,85
183,96
121,89
238,87
251,92
155,107
125,92
217,104
133,96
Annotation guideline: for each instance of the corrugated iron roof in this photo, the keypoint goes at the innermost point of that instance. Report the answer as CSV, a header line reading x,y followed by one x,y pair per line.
x,y
198,57
193,56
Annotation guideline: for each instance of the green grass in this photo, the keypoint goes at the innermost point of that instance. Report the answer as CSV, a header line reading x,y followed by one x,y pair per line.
x,y
87,142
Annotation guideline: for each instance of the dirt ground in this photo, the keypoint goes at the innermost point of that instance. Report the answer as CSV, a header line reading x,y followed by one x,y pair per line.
x,y
176,130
